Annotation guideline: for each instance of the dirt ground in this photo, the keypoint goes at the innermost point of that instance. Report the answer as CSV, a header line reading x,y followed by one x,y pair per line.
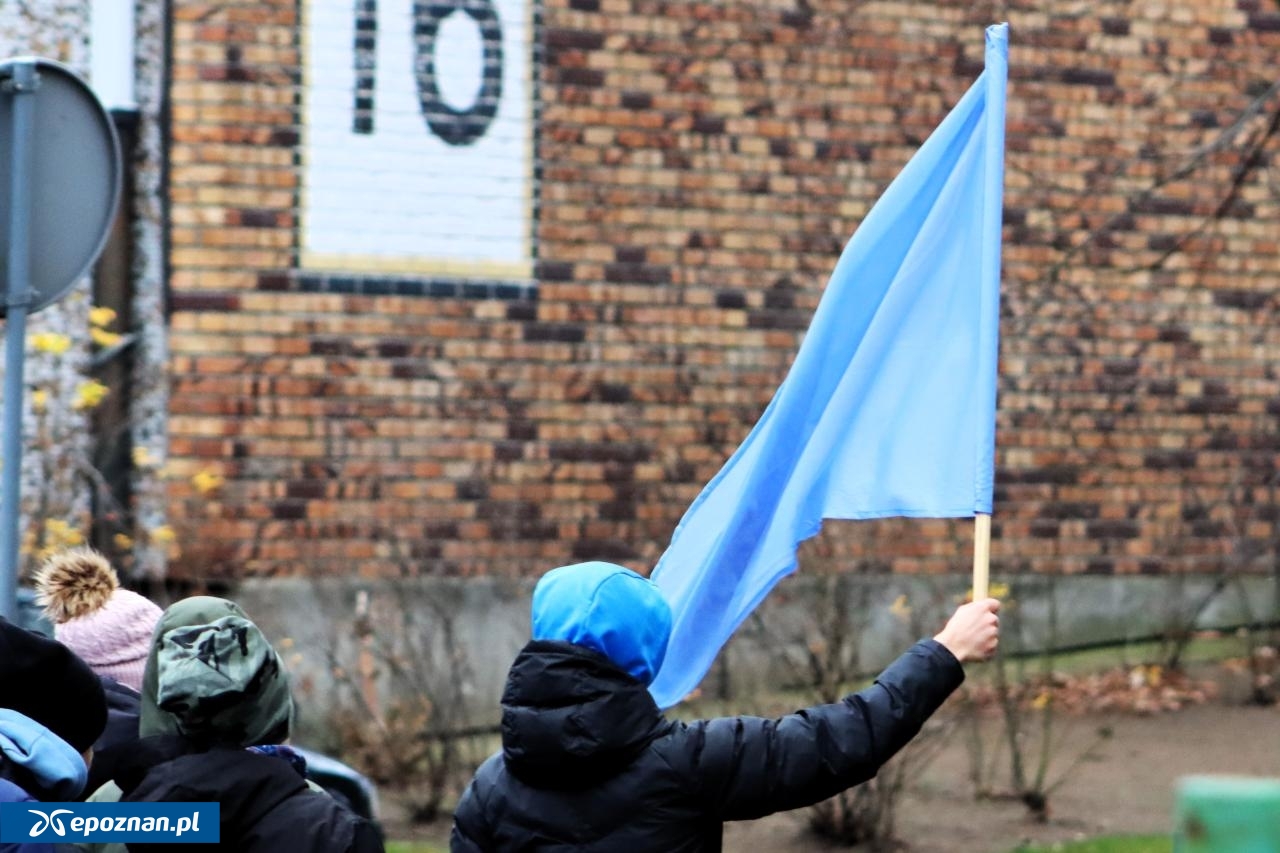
x,y
1126,786
1129,787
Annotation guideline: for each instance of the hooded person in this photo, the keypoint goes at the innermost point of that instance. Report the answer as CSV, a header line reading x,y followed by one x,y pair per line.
x,y
110,628
51,712
216,712
589,762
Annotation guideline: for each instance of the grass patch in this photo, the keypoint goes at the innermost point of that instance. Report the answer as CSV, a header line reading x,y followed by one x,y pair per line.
x,y
414,847
1109,844
1199,651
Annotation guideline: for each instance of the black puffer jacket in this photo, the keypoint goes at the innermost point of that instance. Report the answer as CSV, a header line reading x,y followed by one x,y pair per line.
x,y
590,764
265,805
118,738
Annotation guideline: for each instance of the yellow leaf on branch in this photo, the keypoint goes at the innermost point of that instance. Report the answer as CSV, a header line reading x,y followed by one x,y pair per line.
x,y
995,590
59,534
50,342
103,338
101,316
90,394
164,536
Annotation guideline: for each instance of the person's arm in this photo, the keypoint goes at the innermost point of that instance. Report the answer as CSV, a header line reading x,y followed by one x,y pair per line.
x,y
367,838
108,793
29,846
470,834
749,767
25,847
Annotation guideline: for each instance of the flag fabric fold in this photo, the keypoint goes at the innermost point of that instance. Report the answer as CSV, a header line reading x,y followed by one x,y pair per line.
x,y
889,406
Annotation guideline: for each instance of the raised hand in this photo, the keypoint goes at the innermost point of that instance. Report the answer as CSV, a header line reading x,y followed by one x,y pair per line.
x,y
973,631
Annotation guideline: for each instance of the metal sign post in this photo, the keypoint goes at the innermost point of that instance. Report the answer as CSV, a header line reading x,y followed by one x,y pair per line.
x,y
21,85
59,188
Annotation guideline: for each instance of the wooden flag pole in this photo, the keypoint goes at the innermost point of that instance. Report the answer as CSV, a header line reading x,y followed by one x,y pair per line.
x,y
981,556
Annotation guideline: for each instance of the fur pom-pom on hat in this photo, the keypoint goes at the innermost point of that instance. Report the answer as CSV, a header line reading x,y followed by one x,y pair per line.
x,y
109,627
75,583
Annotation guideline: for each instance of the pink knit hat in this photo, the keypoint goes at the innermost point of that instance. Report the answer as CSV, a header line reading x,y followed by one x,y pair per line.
x,y
108,627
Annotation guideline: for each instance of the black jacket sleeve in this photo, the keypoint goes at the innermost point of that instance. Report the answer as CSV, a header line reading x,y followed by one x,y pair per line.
x,y
469,834
747,767
366,838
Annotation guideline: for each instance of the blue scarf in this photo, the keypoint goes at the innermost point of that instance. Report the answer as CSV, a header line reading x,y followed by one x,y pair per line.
x,y
287,753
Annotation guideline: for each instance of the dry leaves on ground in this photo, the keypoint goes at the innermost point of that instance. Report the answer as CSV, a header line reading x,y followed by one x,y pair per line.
x,y
1136,690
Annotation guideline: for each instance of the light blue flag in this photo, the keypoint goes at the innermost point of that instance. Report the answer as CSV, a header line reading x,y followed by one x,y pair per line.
x,y
889,407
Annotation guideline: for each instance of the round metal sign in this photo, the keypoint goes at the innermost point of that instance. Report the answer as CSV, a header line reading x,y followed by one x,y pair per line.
x,y
75,178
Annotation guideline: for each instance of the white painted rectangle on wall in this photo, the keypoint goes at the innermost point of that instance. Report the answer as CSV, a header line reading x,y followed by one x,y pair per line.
x,y
417,137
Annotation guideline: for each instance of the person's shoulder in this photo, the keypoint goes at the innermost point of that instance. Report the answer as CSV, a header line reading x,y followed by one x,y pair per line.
x,y
109,793
676,745
302,821
490,776
314,809
686,734
492,768
119,695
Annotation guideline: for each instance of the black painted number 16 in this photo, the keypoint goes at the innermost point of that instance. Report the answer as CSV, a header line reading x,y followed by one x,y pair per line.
x,y
453,126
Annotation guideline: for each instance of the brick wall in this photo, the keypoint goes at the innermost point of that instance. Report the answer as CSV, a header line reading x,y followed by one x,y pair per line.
x,y
695,170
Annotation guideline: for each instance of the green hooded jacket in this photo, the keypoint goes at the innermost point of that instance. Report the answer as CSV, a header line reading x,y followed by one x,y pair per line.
x,y
211,676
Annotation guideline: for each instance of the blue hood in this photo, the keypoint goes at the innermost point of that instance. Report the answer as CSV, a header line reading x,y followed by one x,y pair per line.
x,y
608,609
50,760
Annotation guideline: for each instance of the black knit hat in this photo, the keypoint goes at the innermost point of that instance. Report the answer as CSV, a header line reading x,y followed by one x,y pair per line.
x,y
44,680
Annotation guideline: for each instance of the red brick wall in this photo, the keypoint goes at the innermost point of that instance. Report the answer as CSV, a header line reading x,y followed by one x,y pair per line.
x,y
701,165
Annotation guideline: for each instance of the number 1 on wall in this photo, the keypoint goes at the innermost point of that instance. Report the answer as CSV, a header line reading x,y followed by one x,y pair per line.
x,y
459,125
366,65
